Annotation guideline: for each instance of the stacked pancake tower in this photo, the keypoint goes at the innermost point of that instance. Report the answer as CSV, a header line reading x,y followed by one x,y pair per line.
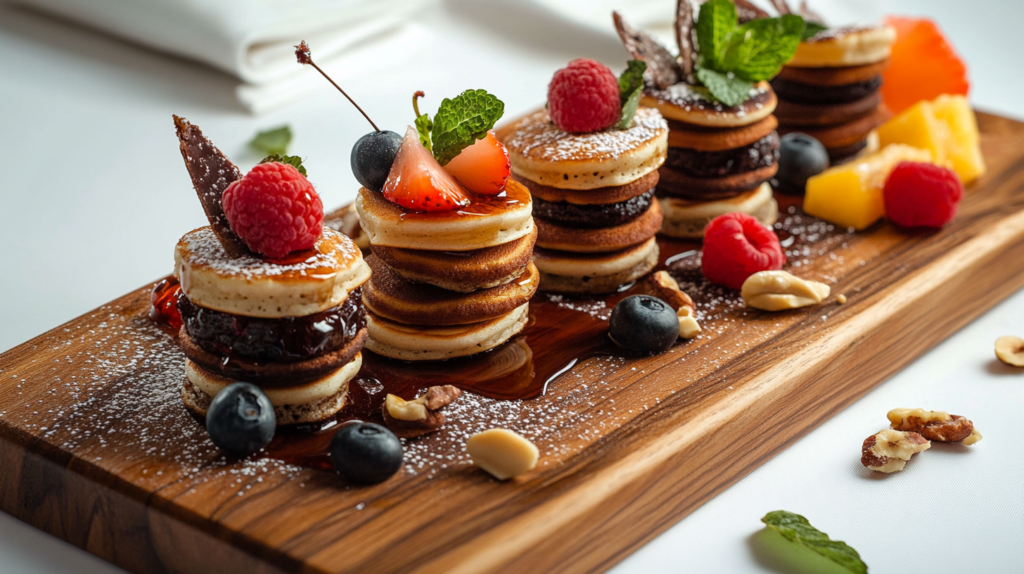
x,y
448,284
293,327
593,196
830,89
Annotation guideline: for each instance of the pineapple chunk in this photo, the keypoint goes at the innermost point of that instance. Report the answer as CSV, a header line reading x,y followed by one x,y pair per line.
x,y
964,151
850,195
918,127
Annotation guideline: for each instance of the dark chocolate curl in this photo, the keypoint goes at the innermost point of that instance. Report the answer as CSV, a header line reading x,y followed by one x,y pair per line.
x,y
745,12
662,67
810,15
684,36
782,7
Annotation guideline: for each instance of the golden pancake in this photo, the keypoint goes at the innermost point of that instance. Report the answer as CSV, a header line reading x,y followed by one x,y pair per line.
x,y
486,222
687,219
830,77
462,271
578,240
692,105
795,114
390,296
599,196
564,272
718,139
422,343
843,47
844,134
541,152
678,184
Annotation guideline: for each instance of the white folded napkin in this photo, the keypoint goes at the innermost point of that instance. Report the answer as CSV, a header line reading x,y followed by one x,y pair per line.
x,y
253,39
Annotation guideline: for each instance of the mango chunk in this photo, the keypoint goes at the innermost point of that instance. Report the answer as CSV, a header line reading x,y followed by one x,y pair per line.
x,y
850,195
918,127
964,152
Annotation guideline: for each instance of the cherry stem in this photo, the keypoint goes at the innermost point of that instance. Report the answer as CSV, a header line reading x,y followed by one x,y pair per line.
x,y
304,56
415,106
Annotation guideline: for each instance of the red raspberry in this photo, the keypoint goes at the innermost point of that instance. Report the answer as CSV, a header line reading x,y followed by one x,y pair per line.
x,y
274,209
584,97
736,246
922,195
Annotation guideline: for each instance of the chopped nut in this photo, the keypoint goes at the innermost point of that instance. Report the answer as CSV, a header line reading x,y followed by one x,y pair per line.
x,y
688,326
664,287
1010,350
841,298
889,450
933,425
502,453
408,419
778,290
974,437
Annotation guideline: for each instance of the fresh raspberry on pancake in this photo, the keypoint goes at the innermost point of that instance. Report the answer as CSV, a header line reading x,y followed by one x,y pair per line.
x,y
274,209
736,246
584,97
418,182
922,195
482,167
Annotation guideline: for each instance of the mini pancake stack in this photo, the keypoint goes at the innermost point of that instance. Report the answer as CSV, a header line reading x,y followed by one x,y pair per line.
x,y
448,284
593,196
830,89
720,157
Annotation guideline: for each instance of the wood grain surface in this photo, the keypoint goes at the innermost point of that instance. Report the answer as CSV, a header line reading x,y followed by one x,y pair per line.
x,y
96,448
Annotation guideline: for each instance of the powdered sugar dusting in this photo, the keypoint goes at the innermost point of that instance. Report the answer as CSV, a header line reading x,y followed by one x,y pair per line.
x,y
697,98
333,251
537,137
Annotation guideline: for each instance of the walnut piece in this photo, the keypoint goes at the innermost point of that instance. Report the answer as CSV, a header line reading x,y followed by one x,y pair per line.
x,y
889,450
778,290
408,419
688,326
1010,350
502,453
939,426
664,287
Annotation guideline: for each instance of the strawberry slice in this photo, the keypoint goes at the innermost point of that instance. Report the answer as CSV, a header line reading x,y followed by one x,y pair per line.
x,y
417,181
482,167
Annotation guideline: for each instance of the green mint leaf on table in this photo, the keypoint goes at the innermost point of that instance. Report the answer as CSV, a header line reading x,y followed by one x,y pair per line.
x,y
423,127
715,21
631,85
292,160
811,29
462,120
273,141
796,528
770,43
725,88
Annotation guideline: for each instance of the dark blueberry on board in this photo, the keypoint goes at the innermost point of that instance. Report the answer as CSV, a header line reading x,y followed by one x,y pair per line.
x,y
644,324
240,419
366,453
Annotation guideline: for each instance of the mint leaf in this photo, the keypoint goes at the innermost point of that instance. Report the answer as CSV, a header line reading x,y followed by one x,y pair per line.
x,y
423,127
273,141
462,120
727,89
292,160
769,43
796,528
715,21
631,84
811,29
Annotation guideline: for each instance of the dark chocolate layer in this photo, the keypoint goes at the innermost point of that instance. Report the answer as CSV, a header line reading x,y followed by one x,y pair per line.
x,y
284,340
808,94
762,153
592,216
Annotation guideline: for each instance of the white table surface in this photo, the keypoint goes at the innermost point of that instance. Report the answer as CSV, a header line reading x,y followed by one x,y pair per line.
x,y
93,196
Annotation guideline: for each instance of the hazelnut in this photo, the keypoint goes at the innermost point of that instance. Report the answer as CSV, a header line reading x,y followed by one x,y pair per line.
x,y
688,326
502,453
778,290
889,450
939,426
1010,350
664,287
408,419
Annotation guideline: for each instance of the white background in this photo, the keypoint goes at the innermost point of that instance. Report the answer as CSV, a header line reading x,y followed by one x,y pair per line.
x,y
93,195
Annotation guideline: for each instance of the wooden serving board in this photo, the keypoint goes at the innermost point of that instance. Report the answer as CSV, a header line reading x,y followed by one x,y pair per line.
x,y
96,448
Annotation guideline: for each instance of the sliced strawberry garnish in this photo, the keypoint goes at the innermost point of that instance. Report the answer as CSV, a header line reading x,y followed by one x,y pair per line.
x,y
417,181
482,167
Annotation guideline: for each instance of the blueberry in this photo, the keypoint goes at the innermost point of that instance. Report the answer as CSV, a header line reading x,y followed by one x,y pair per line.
x,y
365,452
240,419
372,157
644,324
800,157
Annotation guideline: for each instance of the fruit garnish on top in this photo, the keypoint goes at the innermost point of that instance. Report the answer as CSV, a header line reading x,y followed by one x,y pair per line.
x,y
272,211
717,52
585,96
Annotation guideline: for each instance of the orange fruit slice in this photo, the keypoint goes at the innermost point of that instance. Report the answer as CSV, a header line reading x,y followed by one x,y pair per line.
x,y
922,66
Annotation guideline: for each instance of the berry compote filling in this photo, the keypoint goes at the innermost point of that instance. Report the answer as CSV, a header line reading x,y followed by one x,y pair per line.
x,y
284,340
762,153
593,216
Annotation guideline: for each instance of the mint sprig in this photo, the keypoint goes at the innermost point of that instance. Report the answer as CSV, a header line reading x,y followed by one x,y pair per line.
x,y
462,120
734,57
631,85
273,141
811,30
423,123
292,160
798,529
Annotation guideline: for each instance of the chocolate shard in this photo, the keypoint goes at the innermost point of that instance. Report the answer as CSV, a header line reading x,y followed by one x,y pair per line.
x,y
684,35
745,12
212,172
782,7
662,67
810,15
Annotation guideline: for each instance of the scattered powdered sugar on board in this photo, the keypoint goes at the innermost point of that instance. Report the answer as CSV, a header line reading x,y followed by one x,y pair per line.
x,y
536,136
